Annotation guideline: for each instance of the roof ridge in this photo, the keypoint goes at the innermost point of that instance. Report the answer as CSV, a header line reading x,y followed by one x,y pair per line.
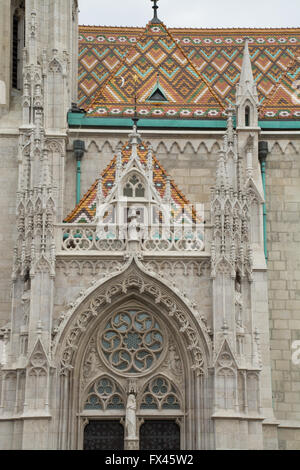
x,y
122,62
178,28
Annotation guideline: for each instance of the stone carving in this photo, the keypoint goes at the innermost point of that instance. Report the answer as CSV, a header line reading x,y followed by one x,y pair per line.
x,y
104,394
230,211
239,304
134,226
135,281
91,364
130,423
99,268
160,394
175,361
171,269
132,341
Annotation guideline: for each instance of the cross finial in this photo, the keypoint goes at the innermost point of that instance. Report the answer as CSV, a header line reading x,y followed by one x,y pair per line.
x,y
155,19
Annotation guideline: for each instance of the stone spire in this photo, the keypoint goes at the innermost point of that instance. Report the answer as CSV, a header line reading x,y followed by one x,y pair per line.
x,y
246,96
246,73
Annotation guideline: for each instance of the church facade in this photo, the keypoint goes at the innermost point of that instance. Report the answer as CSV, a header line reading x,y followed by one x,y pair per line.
x,y
150,257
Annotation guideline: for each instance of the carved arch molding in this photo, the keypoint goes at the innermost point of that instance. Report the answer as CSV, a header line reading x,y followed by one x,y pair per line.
x,y
132,332
132,282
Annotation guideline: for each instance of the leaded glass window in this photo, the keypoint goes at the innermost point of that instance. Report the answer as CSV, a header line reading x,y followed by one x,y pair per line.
x,y
104,395
132,341
134,187
160,394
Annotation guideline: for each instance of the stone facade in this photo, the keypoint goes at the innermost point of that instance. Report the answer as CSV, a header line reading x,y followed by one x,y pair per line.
x,y
216,322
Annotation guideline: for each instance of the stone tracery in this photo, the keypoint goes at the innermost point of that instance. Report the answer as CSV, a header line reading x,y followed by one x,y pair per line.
x,y
132,341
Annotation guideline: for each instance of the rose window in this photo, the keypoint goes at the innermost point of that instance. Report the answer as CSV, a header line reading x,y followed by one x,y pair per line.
x,y
132,341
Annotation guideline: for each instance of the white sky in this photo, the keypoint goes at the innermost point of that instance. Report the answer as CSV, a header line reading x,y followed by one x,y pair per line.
x,y
193,13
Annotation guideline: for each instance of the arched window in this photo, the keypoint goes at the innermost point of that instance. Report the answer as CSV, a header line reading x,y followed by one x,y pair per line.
x,y
18,43
134,187
247,116
160,394
104,394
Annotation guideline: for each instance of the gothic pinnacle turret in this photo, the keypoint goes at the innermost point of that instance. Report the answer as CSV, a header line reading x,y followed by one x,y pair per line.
x,y
246,94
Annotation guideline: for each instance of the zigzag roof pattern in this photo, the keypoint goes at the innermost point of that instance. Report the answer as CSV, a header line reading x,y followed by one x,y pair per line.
x,y
85,210
155,54
198,70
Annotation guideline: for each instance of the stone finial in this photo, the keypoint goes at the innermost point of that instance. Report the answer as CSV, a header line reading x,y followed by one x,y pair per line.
x,y
119,165
150,162
247,101
246,72
168,192
100,195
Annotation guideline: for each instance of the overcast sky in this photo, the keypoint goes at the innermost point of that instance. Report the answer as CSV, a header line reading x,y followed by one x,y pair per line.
x,y
193,13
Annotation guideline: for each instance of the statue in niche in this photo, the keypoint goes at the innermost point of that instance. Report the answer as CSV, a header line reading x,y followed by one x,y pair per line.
x,y
239,303
134,226
25,301
90,364
175,361
130,423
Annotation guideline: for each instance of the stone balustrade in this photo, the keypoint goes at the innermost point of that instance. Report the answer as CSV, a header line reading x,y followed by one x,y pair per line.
x,y
92,239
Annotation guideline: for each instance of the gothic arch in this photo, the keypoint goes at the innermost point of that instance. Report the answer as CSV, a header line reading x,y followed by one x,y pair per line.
x,y
133,276
132,286
93,147
189,148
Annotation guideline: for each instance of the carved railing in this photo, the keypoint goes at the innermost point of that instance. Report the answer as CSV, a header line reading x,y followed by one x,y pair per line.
x,y
84,238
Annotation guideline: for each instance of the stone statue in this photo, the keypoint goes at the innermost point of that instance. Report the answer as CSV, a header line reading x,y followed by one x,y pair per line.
x,y
238,302
133,226
131,417
175,362
90,363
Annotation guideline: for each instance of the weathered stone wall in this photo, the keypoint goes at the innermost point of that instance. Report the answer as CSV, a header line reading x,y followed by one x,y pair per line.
x,y
8,189
283,225
289,438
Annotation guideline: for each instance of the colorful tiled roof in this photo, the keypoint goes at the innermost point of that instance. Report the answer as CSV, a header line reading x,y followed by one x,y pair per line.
x,y
85,211
198,70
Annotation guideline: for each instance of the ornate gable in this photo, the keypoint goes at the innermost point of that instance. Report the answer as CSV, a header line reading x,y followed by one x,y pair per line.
x,y
151,171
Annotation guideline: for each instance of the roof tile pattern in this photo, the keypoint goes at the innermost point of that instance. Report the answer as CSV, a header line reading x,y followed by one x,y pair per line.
x,y
198,70
154,56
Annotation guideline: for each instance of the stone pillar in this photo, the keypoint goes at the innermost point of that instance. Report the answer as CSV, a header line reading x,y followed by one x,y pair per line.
x,y
5,54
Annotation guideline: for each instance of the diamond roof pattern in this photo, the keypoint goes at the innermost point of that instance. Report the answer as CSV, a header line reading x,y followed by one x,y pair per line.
x,y
198,71
85,211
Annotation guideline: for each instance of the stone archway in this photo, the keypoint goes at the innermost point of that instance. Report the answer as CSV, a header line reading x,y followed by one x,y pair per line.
x,y
184,341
